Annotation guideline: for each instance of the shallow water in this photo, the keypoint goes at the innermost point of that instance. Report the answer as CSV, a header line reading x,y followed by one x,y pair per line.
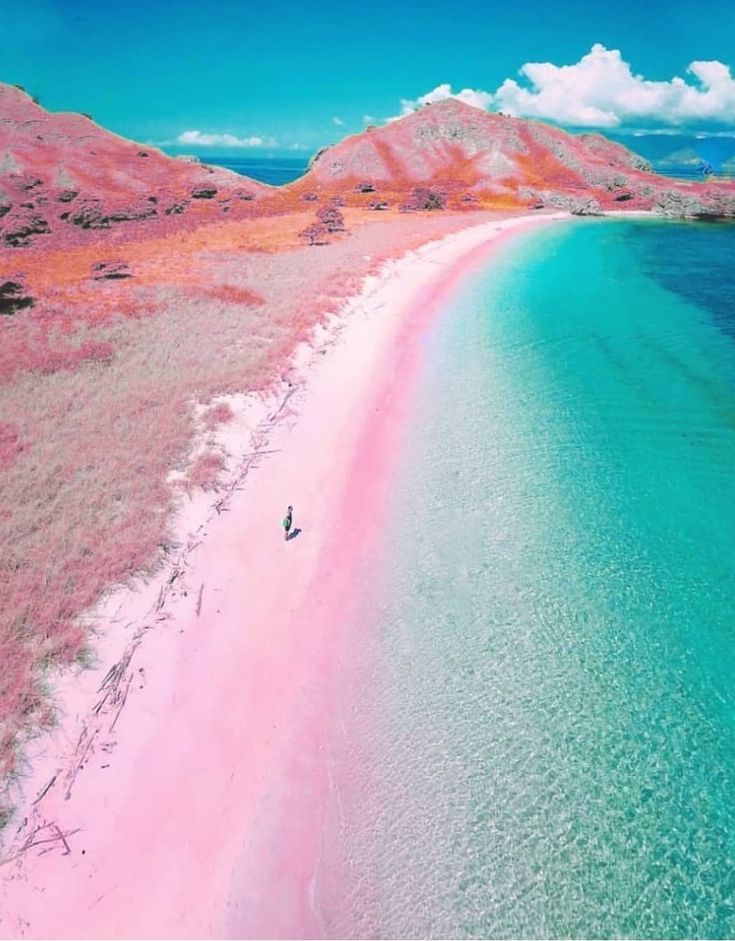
x,y
542,740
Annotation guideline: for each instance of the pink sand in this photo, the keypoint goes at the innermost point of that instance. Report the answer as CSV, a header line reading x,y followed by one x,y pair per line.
x,y
199,814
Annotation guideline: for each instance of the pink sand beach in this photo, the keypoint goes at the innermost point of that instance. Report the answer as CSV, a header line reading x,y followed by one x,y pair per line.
x,y
190,802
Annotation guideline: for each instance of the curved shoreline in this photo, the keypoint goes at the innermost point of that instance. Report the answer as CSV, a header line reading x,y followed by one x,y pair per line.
x,y
198,813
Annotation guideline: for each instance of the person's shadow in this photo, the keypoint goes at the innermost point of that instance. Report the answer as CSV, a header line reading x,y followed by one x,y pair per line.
x,y
294,533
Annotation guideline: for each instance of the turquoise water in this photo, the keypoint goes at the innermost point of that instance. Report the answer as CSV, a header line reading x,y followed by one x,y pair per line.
x,y
543,741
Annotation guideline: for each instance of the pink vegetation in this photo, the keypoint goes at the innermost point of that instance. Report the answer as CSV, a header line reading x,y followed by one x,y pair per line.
x,y
98,380
235,700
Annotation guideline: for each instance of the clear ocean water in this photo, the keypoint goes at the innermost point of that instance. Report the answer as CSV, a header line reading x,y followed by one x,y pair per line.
x,y
542,742
273,170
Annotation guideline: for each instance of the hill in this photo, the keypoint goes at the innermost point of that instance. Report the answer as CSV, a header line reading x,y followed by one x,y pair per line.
x,y
469,156
62,175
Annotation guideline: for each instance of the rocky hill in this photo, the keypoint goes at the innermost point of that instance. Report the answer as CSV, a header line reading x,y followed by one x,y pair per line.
x,y
62,175
453,153
64,180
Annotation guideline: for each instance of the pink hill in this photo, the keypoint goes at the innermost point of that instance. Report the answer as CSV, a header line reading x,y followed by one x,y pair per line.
x,y
474,156
61,174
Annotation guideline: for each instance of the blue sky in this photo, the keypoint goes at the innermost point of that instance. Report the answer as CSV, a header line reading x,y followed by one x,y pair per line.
x,y
280,73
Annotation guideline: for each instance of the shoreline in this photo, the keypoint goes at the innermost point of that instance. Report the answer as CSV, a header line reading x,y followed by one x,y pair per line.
x,y
181,810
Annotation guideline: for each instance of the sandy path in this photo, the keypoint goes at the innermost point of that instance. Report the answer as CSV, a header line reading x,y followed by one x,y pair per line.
x,y
196,813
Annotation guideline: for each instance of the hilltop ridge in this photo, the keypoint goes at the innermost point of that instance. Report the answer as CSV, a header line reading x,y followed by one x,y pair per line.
x,y
62,175
476,156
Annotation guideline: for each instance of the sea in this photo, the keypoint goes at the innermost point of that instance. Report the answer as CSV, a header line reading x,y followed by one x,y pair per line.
x,y
275,171
540,740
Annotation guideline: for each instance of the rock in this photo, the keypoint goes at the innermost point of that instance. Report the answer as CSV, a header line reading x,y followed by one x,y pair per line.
x,y
674,203
623,197
110,271
24,181
18,228
13,297
135,213
310,197
176,208
204,192
67,195
244,194
577,205
90,215
377,206
365,187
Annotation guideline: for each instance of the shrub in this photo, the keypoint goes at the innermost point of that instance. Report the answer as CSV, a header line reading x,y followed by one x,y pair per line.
x,y
331,218
205,471
424,198
215,415
314,234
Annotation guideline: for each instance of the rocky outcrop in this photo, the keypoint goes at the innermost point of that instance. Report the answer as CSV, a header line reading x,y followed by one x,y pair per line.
x,y
110,271
204,192
13,296
691,204
19,227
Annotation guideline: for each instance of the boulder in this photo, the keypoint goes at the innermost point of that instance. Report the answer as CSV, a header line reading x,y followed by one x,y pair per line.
x,y
19,227
90,215
110,271
13,297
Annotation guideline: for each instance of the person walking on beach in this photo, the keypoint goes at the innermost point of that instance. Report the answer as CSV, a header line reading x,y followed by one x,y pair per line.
x,y
287,521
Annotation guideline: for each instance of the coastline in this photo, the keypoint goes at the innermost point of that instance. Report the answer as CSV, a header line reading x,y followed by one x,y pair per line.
x,y
184,812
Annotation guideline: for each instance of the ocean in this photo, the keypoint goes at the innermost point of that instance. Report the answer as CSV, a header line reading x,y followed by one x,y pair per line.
x,y
273,170
541,736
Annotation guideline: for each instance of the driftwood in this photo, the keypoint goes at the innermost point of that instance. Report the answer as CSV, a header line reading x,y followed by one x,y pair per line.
x,y
115,687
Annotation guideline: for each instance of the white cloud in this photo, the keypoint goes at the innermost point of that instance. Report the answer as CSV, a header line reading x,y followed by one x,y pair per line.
x,y
470,96
602,91
369,119
338,121
198,139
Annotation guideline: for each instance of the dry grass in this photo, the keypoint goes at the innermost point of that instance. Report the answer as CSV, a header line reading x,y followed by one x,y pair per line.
x,y
96,399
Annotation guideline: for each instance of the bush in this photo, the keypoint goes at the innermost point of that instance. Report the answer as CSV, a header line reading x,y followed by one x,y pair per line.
x,y
424,198
331,218
314,234
206,470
